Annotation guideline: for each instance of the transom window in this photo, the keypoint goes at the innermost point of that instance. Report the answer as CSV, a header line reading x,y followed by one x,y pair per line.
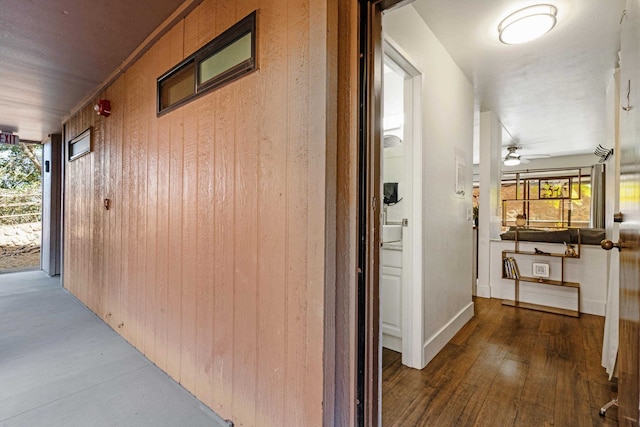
x,y
224,59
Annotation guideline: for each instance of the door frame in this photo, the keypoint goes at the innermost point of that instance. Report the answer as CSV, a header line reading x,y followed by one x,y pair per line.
x,y
368,382
412,304
52,164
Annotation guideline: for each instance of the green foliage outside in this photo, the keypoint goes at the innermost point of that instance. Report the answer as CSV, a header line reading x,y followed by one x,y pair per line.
x,y
20,188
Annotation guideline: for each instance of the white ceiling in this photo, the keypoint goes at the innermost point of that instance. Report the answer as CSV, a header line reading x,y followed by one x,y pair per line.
x,y
55,53
549,93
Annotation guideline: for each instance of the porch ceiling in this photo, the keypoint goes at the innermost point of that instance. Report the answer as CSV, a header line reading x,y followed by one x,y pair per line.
x,y
55,53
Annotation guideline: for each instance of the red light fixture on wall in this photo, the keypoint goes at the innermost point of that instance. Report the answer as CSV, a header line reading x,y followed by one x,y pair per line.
x,y
103,107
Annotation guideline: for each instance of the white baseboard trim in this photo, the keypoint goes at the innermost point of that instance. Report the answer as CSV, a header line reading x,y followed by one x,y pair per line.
x,y
392,343
483,291
597,308
437,342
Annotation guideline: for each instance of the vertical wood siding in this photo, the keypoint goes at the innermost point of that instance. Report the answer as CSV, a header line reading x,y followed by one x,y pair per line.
x,y
211,258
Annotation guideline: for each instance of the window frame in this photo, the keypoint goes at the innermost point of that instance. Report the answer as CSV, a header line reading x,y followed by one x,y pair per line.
x,y
87,133
247,25
574,175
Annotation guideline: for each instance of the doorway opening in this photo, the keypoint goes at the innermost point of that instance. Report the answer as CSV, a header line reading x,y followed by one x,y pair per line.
x,y
420,317
20,206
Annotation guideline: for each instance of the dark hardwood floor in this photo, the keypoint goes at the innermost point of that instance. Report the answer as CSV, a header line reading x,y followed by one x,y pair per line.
x,y
506,367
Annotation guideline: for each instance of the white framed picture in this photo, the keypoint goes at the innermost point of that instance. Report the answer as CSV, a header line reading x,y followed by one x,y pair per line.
x,y
540,270
461,175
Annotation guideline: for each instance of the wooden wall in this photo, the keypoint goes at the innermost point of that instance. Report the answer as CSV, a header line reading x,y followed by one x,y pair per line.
x,y
211,258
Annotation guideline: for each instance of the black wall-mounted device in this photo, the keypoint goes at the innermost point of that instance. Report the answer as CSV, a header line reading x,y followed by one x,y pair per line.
x,y
390,193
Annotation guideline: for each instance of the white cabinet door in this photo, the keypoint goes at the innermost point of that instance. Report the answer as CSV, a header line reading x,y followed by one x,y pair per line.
x,y
391,308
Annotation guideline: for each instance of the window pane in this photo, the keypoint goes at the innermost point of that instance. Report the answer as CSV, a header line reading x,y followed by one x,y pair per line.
x,y
575,188
554,188
581,208
534,189
225,59
177,87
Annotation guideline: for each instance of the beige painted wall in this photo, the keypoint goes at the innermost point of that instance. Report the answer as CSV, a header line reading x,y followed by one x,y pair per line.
x,y
212,259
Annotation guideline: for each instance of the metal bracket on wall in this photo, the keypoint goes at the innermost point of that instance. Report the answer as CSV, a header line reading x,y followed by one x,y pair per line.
x,y
628,107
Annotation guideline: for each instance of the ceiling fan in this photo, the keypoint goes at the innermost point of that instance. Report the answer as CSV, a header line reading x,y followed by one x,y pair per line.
x,y
513,159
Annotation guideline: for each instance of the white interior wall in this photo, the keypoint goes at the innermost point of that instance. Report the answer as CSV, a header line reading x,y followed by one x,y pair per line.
x,y
489,201
447,132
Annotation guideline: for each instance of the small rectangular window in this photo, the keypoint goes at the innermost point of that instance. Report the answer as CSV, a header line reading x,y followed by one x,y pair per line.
x,y
227,57
80,145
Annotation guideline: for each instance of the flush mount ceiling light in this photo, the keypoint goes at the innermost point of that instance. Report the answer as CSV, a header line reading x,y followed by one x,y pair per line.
x,y
527,24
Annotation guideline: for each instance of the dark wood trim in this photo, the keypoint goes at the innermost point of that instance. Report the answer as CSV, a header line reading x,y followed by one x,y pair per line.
x,y
368,287
374,141
389,4
344,382
369,211
363,380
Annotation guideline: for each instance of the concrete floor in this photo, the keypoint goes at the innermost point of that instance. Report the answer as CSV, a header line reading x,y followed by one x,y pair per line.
x,y
60,365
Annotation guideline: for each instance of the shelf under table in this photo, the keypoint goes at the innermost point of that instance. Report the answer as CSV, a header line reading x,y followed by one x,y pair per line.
x,y
549,254
548,282
537,307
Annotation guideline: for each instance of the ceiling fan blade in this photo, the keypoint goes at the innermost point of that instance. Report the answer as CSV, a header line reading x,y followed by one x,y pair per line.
x,y
536,156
